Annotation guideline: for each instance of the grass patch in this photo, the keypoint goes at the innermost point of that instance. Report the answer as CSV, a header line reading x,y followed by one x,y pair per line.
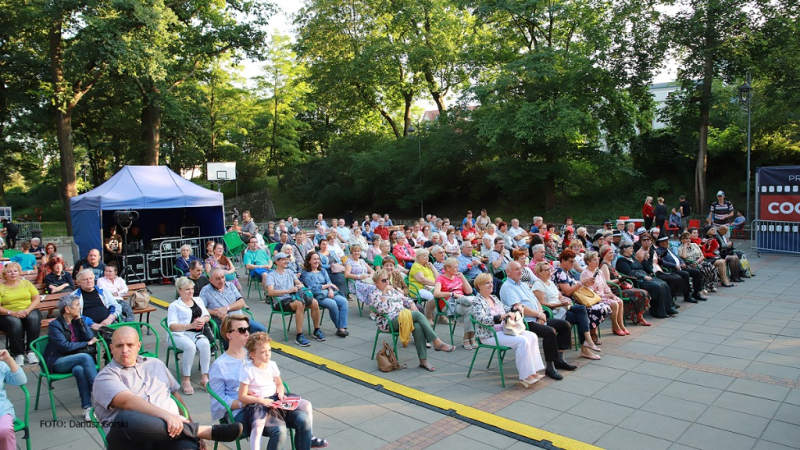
x,y
50,229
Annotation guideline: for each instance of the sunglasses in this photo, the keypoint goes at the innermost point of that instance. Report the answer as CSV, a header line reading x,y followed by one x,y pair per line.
x,y
645,240
384,280
243,330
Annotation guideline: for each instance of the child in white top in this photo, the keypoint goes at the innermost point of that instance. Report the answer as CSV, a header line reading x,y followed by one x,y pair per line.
x,y
259,379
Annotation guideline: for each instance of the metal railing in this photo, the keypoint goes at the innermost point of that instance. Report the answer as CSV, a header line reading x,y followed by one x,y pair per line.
x,y
170,249
771,236
25,229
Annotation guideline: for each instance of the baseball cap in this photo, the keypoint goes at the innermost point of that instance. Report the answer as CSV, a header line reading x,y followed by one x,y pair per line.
x,y
663,238
641,231
279,256
720,194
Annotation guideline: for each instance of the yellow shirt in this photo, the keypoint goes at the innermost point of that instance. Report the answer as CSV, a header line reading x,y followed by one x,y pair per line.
x,y
426,272
18,298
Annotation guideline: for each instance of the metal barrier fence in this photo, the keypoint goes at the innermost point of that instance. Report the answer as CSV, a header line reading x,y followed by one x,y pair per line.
x,y
770,236
26,229
161,263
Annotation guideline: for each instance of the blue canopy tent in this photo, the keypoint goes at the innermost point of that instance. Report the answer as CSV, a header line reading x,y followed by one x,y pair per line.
x,y
159,195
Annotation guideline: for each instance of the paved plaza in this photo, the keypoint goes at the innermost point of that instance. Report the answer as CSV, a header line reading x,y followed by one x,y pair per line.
x,y
723,374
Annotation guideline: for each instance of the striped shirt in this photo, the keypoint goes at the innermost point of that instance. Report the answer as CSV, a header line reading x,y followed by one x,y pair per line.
x,y
720,212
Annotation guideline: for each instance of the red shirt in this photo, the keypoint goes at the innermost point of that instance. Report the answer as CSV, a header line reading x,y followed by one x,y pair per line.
x,y
648,211
467,231
382,231
710,249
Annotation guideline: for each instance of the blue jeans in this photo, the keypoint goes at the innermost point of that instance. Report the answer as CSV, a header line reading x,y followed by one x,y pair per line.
x,y
298,420
82,365
337,308
577,315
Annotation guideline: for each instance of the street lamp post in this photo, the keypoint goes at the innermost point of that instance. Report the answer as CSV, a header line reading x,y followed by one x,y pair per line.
x,y
745,96
411,129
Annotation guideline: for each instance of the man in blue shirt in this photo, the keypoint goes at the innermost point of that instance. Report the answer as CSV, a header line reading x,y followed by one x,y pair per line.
x,y
555,333
469,265
257,261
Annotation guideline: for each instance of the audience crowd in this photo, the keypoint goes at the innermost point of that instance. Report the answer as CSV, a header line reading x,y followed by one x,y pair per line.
x,y
485,274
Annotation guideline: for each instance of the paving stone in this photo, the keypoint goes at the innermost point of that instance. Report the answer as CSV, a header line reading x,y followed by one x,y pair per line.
x,y
708,438
659,370
782,433
458,441
734,421
624,395
580,386
555,399
681,355
487,437
617,362
390,426
789,413
657,425
602,411
676,408
621,439
747,404
599,373
725,362
355,439
695,346
774,370
706,379
756,389
793,397
529,413
582,429
766,445
641,347
735,352
692,392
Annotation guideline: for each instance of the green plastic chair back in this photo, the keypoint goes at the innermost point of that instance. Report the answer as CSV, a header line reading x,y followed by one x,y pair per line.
x,y
277,308
500,349
233,244
138,327
24,423
394,333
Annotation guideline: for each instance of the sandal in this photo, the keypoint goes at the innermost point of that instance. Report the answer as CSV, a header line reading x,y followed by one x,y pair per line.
x,y
467,344
445,347
187,389
427,366
473,343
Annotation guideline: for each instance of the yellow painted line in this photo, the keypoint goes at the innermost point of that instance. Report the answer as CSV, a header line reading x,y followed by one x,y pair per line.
x,y
159,302
469,412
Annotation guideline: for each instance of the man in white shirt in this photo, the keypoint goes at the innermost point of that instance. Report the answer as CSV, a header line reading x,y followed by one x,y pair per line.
x,y
519,235
342,232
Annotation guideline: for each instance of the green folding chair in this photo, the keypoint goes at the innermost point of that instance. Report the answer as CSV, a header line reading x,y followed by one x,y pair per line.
x,y
500,349
102,432
38,347
351,287
277,308
252,281
171,347
395,333
24,425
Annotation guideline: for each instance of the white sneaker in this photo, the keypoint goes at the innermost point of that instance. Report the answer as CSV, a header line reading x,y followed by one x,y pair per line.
x,y
32,359
20,360
87,414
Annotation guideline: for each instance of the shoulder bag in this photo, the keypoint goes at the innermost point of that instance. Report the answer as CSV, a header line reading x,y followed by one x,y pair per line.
x,y
140,299
586,296
514,324
387,360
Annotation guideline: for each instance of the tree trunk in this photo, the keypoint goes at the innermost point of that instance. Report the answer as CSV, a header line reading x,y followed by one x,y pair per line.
x,y
69,187
550,186
151,123
63,118
702,150
437,96
408,98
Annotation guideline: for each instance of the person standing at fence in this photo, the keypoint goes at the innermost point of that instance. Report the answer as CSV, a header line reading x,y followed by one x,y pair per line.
x,y
11,233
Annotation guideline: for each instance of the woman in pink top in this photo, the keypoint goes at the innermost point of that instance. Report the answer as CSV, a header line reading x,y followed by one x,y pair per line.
x,y
454,295
403,252
593,273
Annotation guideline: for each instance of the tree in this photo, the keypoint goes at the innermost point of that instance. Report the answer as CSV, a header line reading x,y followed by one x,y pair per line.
x,y
561,80
708,38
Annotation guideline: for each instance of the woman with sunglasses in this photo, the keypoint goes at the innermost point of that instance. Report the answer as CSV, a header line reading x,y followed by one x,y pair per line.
x,y
224,381
389,302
